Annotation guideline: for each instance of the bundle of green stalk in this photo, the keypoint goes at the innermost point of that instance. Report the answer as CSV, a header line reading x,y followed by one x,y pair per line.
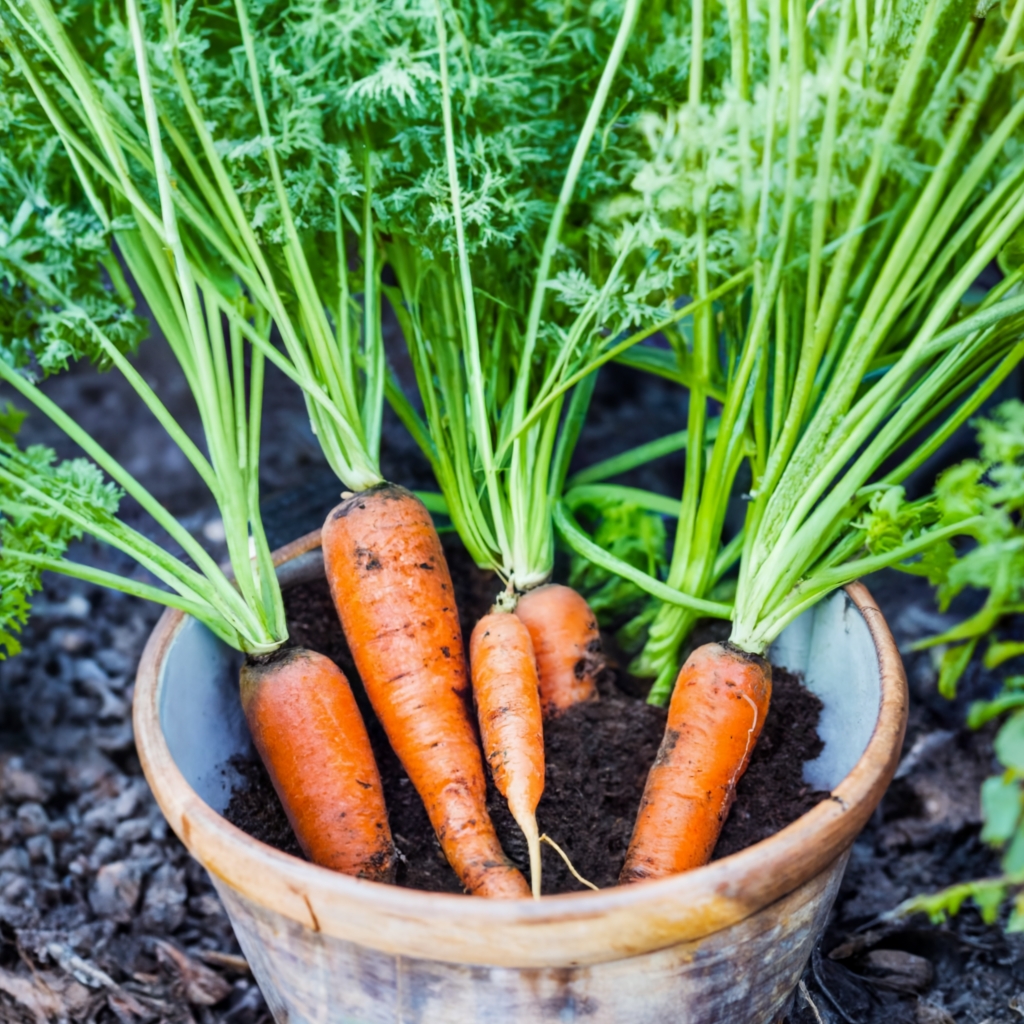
x,y
166,131
863,174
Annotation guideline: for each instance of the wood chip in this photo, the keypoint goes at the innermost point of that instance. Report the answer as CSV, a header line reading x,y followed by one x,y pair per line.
x,y
80,969
860,942
127,1008
899,971
46,997
929,1013
229,961
200,985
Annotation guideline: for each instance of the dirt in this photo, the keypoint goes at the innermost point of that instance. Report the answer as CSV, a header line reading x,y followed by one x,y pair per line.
x,y
104,917
597,756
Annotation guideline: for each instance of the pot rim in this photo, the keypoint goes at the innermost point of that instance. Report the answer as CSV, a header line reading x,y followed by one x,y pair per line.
x,y
557,931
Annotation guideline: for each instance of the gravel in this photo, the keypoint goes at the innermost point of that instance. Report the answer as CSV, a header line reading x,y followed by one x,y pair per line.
x,y
103,915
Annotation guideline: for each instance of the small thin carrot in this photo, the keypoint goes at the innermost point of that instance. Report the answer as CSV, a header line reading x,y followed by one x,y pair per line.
x,y
393,592
567,643
717,711
307,728
507,696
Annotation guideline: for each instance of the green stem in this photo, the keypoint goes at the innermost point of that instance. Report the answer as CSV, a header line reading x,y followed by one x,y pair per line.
x,y
583,545
586,493
134,588
586,136
481,424
616,351
639,456
207,566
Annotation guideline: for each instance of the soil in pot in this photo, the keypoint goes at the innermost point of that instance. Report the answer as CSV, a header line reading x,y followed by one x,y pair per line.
x,y
597,756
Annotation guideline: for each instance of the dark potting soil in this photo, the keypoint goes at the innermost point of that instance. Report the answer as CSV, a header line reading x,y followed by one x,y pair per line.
x,y
597,757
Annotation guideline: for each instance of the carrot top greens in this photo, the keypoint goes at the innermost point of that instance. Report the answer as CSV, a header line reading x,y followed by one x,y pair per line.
x,y
799,200
462,144
45,504
254,169
863,167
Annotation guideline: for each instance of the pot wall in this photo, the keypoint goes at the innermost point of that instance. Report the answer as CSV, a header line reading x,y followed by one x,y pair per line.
x,y
725,944
740,975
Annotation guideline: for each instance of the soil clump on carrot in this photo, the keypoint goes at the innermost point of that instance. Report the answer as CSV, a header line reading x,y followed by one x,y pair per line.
x,y
597,755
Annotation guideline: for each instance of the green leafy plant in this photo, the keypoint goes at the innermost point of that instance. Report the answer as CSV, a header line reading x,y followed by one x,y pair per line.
x,y
988,487
52,241
241,222
989,492
635,535
504,322
462,144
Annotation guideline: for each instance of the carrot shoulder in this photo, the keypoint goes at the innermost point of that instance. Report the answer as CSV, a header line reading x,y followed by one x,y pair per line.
x,y
311,737
391,586
567,643
716,714
506,692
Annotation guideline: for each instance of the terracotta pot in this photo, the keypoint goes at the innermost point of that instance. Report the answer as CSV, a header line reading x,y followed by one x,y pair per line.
x,y
724,944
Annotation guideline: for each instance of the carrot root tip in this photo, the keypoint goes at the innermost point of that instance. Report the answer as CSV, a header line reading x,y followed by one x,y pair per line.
x,y
528,824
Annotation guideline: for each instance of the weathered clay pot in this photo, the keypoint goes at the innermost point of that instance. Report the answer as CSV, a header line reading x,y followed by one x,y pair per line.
x,y
721,945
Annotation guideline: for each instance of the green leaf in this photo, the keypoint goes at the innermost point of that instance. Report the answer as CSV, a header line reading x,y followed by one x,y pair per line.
x,y
960,491
1015,923
58,270
1009,743
1001,433
636,536
30,525
14,610
1001,809
1013,861
1002,650
955,660
11,419
982,711
939,905
988,900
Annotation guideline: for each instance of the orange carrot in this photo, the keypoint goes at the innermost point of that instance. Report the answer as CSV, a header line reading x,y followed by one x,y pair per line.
x,y
718,708
308,730
567,642
391,586
507,696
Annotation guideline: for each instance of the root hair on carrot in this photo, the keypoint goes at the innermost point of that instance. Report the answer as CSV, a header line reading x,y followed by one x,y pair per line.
x,y
545,838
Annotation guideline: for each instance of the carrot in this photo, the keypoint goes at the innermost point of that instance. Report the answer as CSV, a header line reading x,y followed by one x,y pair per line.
x,y
391,586
308,730
718,708
507,696
567,643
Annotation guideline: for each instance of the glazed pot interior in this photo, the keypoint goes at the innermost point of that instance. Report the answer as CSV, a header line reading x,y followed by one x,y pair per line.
x,y
202,722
